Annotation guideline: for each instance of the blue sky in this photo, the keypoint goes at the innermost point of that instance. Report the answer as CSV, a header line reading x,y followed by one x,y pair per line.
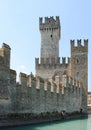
x,y
19,27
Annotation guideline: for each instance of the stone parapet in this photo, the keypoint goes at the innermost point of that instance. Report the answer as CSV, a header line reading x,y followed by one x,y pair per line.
x,y
66,81
79,47
6,46
12,72
49,23
52,62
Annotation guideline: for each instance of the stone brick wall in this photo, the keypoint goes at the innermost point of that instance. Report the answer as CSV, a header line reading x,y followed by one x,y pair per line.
x,y
36,99
50,35
5,99
79,66
56,91
89,99
35,95
50,67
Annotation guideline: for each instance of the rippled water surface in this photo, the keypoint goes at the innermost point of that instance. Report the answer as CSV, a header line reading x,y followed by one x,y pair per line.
x,y
80,124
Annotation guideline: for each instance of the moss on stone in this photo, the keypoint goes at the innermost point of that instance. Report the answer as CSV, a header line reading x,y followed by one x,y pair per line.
x,y
23,75
12,71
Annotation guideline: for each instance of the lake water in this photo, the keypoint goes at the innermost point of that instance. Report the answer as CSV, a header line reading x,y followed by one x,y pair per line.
x,y
80,124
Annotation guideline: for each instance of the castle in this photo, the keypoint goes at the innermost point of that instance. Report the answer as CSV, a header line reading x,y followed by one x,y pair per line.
x,y
57,86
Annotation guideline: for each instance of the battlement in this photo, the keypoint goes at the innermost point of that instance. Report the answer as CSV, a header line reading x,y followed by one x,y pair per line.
x,y
5,55
50,62
36,95
12,72
49,23
56,90
23,75
6,46
50,20
79,47
69,80
66,81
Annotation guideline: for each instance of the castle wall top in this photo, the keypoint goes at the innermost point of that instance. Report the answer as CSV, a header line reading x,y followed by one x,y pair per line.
x,y
5,55
29,80
12,72
52,63
79,47
49,23
6,46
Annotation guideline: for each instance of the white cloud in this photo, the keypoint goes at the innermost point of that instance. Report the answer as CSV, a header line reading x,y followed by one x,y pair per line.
x,y
23,67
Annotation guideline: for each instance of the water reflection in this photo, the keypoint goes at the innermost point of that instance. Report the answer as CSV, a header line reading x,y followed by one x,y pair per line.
x,y
89,123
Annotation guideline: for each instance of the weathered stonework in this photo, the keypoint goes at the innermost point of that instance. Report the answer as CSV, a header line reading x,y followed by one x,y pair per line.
x,y
50,65
50,34
89,99
63,86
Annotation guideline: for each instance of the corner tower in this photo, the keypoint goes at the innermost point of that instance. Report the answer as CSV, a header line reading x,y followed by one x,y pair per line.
x,y
50,36
79,67
5,100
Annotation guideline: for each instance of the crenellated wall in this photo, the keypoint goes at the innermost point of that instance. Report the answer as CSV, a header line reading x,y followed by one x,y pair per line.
x,y
52,61
49,23
79,66
5,99
36,95
49,67
79,47
64,81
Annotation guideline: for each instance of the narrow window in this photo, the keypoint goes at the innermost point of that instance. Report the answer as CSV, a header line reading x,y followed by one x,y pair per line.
x,y
77,60
51,35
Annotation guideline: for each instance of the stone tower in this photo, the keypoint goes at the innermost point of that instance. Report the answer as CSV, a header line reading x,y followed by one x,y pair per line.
x,y
49,59
79,67
50,65
50,35
5,78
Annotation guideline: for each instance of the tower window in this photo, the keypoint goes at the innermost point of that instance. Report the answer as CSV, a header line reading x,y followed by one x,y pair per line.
x,y
77,60
51,35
